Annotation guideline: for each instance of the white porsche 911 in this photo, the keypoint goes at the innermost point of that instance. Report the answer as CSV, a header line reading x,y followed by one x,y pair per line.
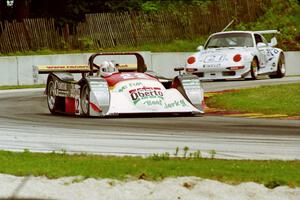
x,y
237,54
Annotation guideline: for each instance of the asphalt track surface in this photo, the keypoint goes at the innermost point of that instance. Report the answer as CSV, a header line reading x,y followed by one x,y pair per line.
x,y
25,123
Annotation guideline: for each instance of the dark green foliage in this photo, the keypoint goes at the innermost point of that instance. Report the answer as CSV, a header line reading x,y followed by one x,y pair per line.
x,y
283,15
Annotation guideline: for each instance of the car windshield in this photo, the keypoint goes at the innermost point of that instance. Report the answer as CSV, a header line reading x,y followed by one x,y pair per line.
x,y
230,40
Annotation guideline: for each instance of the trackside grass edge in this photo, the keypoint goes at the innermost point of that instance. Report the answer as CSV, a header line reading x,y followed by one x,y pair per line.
x,y
54,165
277,99
11,87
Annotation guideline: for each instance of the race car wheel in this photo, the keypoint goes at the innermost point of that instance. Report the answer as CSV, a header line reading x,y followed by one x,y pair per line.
x,y
85,100
280,68
51,98
253,69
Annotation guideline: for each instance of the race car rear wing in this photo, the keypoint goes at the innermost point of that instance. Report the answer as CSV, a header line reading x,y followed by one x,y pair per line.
x,y
140,66
267,32
273,42
45,69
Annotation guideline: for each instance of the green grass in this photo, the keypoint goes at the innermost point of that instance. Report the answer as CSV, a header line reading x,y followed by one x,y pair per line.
x,y
173,46
53,165
10,87
278,99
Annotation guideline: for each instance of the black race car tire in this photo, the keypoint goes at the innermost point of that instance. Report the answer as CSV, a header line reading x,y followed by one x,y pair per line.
x,y
85,99
280,68
253,69
51,98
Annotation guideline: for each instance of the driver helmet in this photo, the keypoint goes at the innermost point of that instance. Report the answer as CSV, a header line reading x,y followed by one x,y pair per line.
x,y
107,68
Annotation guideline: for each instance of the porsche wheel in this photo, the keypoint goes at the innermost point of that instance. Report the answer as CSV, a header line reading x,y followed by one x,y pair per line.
x,y
85,100
253,69
280,68
51,98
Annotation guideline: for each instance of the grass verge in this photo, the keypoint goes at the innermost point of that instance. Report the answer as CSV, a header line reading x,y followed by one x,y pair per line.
x,y
54,165
179,45
10,87
278,99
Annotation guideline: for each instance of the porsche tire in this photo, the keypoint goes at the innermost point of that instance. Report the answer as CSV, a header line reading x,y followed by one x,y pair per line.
x,y
85,100
253,69
281,70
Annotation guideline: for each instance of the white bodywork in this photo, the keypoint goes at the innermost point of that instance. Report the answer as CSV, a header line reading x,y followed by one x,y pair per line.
x,y
144,96
216,59
136,96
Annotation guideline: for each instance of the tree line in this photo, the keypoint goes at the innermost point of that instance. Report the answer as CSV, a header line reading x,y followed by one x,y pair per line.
x,y
73,11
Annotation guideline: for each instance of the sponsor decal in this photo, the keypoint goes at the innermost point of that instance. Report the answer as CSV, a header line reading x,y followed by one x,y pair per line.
x,y
61,85
66,67
176,103
66,90
133,76
211,65
35,73
126,66
130,85
77,106
146,93
153,102
214,58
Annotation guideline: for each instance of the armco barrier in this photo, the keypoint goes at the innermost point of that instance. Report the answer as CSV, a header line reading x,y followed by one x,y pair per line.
x,y
18,70
292,59
9,71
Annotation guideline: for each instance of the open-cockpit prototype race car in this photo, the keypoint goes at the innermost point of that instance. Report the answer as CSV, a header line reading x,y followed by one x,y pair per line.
x,y
108,89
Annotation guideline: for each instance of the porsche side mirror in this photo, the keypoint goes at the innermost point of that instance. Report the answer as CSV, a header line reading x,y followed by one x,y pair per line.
x,y
200,48
273,42
261,45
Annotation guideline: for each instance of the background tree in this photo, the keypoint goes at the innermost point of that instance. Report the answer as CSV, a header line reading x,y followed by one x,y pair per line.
x,y
73,11
21,9
5,10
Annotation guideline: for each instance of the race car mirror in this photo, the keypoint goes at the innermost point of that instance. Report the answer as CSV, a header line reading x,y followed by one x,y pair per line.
x,y
273,42
200,48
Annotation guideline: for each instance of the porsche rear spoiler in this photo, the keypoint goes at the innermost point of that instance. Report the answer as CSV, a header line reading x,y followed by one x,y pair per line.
x,y
267,32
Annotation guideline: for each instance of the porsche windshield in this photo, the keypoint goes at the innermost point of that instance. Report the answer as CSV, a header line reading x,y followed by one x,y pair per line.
x,y
230,40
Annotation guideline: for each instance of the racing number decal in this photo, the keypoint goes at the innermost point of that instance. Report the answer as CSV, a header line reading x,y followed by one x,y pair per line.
x,y
77,103
132,76
126,76
269,54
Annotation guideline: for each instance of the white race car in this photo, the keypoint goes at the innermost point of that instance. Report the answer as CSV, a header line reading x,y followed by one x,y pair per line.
x,y
237,54
107,89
